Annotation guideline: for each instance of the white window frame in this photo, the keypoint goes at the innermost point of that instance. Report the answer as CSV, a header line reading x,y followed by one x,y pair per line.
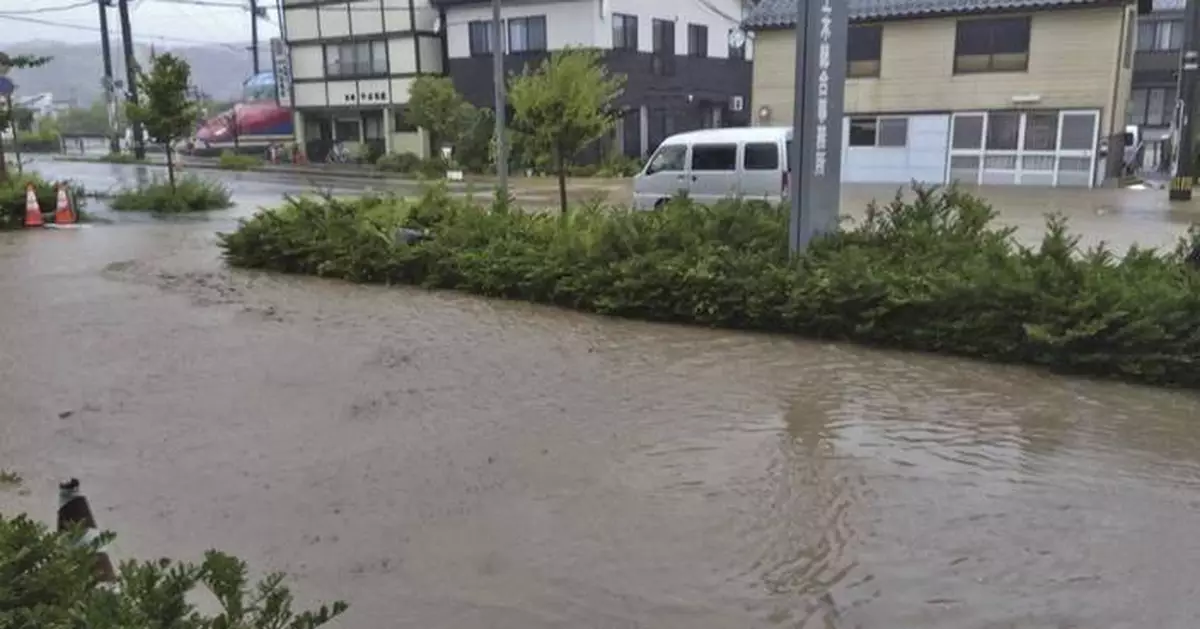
x,y
982,153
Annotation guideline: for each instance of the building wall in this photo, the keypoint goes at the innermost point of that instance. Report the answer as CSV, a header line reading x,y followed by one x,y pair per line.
x,y
720,16
1073,61
922,159
412,47
568,23
688,96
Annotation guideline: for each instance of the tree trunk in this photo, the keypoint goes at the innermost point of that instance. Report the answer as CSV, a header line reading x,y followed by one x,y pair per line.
x,y
3,162
562,181
170,166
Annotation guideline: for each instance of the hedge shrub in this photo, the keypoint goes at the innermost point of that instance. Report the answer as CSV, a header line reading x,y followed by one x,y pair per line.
x,y
234,161
932,274
190,194
48,581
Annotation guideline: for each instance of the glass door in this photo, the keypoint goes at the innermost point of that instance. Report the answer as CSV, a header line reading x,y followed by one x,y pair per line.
x,y
1076,156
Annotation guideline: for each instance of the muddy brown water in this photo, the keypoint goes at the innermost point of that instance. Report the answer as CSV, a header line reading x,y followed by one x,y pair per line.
x,y
441,461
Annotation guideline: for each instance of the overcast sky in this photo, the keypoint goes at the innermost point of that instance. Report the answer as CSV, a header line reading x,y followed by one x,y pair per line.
x,y
152,21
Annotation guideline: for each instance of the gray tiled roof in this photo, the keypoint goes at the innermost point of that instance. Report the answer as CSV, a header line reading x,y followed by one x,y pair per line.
x,y
777,13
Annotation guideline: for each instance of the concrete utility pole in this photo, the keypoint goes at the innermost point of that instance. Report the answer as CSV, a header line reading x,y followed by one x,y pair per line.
x,y
254,34
815,175
501,100
139,142
1189,63
114,142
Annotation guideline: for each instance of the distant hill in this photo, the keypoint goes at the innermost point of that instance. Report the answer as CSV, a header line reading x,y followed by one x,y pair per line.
x,y
76,70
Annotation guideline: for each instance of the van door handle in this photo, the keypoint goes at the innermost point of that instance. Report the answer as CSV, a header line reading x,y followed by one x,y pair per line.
x,y
693,177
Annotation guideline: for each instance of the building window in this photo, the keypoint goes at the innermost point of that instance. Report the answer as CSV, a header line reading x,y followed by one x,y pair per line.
x,y
1003,131
714,157
401,123
736,52
881,132
992,45
1041,131
1160,36
625,32
1154,106
347,130
864,47
480,36
761,156
697,40
356,59
663,59
527,34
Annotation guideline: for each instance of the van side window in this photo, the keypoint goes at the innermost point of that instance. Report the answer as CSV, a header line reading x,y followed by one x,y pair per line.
x,y
714,157
761,156
670,158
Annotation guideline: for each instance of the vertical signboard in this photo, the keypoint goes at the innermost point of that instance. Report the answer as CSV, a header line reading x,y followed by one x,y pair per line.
x,y
816,169
282,65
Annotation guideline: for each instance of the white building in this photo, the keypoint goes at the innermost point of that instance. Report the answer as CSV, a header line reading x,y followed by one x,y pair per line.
x,y
682,71
352,64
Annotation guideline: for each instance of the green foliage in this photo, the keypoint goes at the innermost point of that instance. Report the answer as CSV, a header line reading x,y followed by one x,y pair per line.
x,y
189,194
47,582
166,109
12,199
933,274
91,120
434,105
6,116
233,161
399,163
564,105
411,164
121,158
9,478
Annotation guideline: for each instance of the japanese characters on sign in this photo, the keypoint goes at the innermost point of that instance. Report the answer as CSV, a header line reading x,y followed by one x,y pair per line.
x,y
283,73
823,62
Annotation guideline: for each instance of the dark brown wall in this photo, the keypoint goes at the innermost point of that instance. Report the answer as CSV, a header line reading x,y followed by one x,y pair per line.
x,y
709,82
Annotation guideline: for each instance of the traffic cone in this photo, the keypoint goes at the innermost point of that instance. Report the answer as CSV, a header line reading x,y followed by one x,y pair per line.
x,y
63,214
33,211
73,509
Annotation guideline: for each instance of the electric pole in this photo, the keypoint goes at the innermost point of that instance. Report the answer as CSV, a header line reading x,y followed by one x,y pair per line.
x,y
114,143
254,34
1189,62
501,100
139,142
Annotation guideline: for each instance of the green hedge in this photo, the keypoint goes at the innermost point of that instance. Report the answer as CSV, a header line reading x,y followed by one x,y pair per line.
x,y
48,581
190,194
233,161
933,274
12,199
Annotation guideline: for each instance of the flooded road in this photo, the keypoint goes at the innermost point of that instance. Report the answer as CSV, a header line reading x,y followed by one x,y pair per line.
x,y
445,462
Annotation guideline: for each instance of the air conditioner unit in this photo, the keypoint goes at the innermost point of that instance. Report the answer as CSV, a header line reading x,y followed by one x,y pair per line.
x,y
737,103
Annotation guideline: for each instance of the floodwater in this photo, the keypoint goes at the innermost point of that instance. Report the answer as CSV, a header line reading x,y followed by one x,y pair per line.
x,y
446,462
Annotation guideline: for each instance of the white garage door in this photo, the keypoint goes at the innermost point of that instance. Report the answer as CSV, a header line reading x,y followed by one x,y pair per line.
x,y
896,149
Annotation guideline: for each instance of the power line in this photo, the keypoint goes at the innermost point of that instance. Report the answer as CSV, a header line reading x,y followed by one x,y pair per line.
x,y
94,29
66,7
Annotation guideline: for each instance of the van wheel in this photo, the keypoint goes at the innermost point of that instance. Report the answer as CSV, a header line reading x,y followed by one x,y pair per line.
x,y
660,203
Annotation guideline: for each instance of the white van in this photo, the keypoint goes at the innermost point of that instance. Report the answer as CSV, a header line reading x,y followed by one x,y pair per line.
x,y
714,164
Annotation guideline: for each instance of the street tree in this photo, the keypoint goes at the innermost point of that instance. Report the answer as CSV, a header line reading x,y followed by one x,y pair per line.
x,y
434,105
8,62
563,105
165,108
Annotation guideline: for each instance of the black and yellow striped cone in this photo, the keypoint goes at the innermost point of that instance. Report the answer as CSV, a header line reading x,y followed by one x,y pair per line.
x,y
73,509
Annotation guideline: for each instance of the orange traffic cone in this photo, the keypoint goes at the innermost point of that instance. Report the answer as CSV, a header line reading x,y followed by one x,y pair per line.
x,y
73,509
63,214
33,211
